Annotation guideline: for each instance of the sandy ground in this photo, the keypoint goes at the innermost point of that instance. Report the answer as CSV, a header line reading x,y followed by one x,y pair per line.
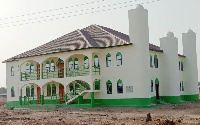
x,y
181,114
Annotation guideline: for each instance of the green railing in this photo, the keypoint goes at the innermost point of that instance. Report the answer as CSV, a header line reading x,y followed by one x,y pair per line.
x,y
78,91
52,74
80,71
26,76
29,100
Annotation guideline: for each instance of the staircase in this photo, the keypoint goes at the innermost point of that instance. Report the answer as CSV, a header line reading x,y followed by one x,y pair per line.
x,y
74,97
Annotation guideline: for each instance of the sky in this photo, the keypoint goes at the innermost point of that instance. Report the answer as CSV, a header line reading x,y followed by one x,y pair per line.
x,y
26,24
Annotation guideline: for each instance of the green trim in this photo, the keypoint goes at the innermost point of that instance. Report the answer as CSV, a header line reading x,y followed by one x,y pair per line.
x,y
155,56
156,81
118,54
60,85
47,62
119,81
85,57
27,87
32,86
190,97
52,61
108,55
59,59
13,104
42,99
76,59
27,64
108,81
171,99
70,60
92,99
31,64
95,56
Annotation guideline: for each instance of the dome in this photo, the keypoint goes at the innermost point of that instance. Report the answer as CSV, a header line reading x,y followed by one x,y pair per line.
x,y
139,6
170,34
189,31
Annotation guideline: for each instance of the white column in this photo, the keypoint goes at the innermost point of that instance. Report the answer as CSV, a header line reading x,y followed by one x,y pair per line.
x,y
41,69
65,69
90,63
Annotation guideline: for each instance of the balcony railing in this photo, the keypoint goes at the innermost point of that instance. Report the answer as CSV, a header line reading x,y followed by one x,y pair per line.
x,y
27,76
52,74
80,71
96,70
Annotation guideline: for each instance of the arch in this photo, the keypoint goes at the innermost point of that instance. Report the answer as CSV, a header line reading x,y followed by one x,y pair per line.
x,y
119,86
53,66
32,90
109,87
86,62
27,91
48,90
108,60
119,58
12,91
96,61
53,89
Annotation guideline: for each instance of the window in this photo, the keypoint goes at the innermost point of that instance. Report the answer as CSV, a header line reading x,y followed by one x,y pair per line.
x,y
119,86
156,81
47,66
27,91
27,68
70,63
181,66
52,66
97,85
76,63
119,59
109,87
108,60
151,85
53,89
32,68
48,90
156,61
151,61
32,90
12,70
182,86
179,63
86,62
96,61
12,92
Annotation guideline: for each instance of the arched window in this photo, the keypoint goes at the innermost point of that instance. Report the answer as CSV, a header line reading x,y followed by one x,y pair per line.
x,y
53,89
86,62
181,65
109,87
12,92
71,88
52,66
151,85
108,60
156,61
76,63
151,61
48,90
47,66
119,59
27,68
97,85
182,86
70,63
32,90
96,61
119,86
27,91
12,70
31,67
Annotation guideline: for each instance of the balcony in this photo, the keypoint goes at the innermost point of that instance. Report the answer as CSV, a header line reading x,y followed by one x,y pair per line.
x,y
27,76
52,74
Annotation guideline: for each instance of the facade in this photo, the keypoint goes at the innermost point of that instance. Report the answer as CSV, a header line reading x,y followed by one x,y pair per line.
x,y
98,66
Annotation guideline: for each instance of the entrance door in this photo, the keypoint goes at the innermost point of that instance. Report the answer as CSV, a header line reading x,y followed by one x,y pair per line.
x,y
61,94
38,72
157,91
61,69
38,95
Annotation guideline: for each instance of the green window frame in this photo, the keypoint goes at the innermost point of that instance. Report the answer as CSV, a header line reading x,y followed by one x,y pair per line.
x,y
156,61
76,63
108,60
96,61
151,85
70,63
119,86
119,59
53,68
12,70
27,68
86,62
53,89
47,66
156,81
182,86
109,87
12,91
151,61
32,90
97,85
31,68
48,90
27,91
181,65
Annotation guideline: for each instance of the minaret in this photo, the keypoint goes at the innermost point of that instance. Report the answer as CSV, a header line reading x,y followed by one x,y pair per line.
x,y
169,69
190,66
139,37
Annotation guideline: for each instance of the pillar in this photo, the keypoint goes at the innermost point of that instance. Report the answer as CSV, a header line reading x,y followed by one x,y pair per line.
x,y
92,99
65,90
42,96
41,71
65,68
90,63
20,100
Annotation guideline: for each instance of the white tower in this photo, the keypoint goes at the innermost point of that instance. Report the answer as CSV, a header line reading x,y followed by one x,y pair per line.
x,y
190,65
169,83
139,36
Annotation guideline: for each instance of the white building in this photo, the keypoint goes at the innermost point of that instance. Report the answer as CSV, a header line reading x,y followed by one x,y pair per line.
x,y
98,66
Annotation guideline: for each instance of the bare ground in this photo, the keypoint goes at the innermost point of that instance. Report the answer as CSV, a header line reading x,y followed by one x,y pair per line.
x,y
181,114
